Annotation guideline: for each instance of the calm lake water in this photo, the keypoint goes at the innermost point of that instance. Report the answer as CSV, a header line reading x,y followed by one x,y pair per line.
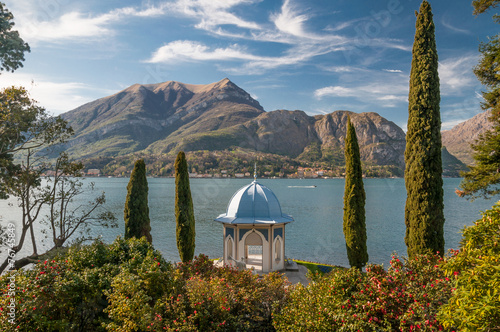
x,y
316,234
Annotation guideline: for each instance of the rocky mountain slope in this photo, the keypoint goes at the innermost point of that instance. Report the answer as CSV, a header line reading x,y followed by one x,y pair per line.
x,y
158,119
167,117
458,139
140,115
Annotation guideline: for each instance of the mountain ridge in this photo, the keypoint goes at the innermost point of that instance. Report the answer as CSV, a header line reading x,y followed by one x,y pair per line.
x,y
458,139
163,118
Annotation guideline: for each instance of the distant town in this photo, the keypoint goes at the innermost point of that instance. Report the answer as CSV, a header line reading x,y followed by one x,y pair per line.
x,y
291,173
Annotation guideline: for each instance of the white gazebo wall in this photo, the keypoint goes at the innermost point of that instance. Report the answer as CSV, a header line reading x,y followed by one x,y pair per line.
x,y
230,246
273,245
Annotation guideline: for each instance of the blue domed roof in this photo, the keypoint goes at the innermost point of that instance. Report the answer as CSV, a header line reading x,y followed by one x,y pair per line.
x,y
254,204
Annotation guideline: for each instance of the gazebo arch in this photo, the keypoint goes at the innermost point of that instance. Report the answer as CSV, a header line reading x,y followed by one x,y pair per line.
x,y
253,259
278,249
229,254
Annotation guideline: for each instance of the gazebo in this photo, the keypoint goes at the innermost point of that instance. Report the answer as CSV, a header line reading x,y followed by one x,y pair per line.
x,y
254,229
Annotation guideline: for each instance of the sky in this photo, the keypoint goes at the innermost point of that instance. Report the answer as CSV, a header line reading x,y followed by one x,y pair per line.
x,y
317,56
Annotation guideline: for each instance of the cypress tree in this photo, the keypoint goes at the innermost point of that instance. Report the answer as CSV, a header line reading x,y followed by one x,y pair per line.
x,y
136,212
424,216
184,214
354,202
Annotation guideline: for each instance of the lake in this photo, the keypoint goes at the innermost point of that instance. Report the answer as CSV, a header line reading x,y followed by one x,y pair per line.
x,y
316,235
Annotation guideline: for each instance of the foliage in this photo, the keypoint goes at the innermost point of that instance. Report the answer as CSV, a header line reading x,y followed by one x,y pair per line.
x,y
28,137
406,297
354,202
424,216
24,126
184,213
483,179
221,299
475,268
136,213
480,6
70,292
127,286
12,47
64,219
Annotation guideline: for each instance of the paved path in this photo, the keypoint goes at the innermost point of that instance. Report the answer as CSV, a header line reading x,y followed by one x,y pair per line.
x,y
298,276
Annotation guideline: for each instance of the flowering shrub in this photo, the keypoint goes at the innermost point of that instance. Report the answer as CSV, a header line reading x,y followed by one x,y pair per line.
x,y
475,270
404,298
68,293
220,299
127,286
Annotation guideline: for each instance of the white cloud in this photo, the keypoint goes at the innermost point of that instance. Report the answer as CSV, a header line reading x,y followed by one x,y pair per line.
x,y
393,70
213,13
448,25
456,75
185,50
335,91
447,125
56,97
290,21
68,26
384,89
392,98
288,27
49,23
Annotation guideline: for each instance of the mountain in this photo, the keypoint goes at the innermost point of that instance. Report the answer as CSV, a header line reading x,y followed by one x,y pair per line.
x,y
161,119
452,166
458,139
170,112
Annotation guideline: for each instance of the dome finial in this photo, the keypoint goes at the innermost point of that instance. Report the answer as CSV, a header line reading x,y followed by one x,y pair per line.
x,y
255,171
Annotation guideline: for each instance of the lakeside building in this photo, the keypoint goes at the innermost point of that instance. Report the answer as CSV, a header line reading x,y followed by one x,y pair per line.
x,y
254,229
94,172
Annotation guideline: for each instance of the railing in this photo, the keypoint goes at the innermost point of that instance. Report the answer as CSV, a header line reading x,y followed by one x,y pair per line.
x,y
255,250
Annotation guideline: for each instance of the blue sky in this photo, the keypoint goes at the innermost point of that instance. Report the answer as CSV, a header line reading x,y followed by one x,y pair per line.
x,y
317,56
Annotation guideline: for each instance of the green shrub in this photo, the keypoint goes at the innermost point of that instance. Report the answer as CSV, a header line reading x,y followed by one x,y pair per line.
x,y
405,297
220,299
70,292
475,269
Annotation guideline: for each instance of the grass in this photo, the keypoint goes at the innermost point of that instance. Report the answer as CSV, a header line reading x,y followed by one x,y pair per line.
x,y
317,267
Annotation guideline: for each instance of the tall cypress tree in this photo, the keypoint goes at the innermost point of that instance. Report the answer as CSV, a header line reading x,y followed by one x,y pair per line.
x,y
424,216
136,212
184,213
354,202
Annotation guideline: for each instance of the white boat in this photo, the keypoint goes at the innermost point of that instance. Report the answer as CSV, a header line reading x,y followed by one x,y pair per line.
x,y
301,186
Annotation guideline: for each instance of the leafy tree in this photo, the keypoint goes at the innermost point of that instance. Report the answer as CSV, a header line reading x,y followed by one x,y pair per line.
x,y
424,216
480,6
475,270
483,179
12,47
28,131
136,212
184,214
24,127
354,202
